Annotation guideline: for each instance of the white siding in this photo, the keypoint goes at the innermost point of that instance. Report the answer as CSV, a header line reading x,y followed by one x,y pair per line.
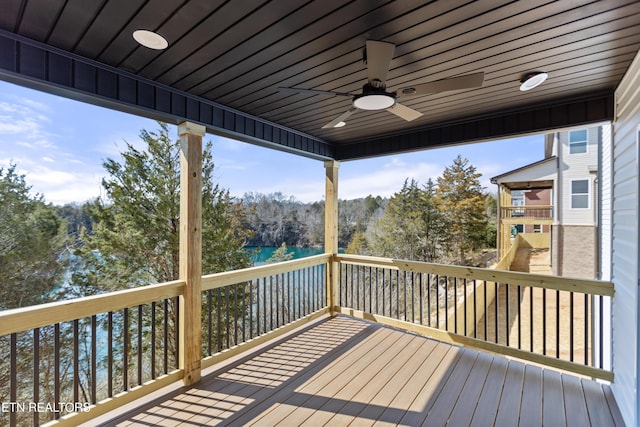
x,y
577,167
624,256
539,172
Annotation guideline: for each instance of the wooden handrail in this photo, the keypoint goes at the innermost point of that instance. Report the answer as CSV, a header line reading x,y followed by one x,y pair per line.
x,y
570,284
37,316
218,280
27,318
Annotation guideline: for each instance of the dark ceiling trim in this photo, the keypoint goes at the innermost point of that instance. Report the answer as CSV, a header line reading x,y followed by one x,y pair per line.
x,y
594,108
38,66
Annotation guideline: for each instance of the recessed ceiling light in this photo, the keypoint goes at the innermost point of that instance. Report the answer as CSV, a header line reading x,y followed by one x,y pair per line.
x,y
150,39
339,124
531,80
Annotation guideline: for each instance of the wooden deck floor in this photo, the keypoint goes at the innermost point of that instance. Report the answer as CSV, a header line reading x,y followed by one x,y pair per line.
x,y
348,372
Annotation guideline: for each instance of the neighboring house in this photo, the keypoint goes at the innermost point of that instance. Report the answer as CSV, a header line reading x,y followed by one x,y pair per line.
x,y
557,198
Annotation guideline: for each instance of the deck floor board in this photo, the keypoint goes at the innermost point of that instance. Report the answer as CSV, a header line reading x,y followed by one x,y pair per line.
x,y
345,371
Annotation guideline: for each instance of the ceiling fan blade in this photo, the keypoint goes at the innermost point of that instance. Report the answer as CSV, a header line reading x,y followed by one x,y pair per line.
x,y
341,118
379,55
468,81
404,112
313,91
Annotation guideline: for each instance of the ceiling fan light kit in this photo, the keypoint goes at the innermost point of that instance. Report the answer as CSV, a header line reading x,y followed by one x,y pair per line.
x,y
374,96
533,80
374,102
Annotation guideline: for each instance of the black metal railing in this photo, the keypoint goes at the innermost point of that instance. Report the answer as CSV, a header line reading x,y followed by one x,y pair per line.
x,y
533,313
68,366
238,312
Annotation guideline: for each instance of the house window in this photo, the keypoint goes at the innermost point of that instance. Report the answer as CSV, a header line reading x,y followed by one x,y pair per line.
x,y
537,228
578,141
580,194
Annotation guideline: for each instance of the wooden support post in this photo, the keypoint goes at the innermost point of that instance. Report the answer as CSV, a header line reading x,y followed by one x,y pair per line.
x,y
331,231
191,249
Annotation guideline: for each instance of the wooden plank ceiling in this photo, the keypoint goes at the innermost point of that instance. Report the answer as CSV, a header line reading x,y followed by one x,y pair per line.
x,y
237,53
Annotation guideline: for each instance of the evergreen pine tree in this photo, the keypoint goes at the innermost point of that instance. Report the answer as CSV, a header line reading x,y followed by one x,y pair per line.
x,y
461,198
135,239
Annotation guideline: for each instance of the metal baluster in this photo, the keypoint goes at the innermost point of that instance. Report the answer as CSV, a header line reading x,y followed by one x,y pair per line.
x,y
36,374
56,364
227,313
429,299
125,350
219,326
557,324
165,332
519,292
397,294
13,379
438,301
507,318
420,307
76,360
486,311
177,331
140,344
110,354
94,358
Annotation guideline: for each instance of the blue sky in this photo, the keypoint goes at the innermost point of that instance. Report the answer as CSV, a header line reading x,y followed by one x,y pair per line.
x,y
60,145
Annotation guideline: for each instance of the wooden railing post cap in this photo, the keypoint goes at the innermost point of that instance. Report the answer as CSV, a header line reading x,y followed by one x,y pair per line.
x,y
191,128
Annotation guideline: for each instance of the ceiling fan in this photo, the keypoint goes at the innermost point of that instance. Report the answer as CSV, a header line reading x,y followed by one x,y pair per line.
x,y
374,96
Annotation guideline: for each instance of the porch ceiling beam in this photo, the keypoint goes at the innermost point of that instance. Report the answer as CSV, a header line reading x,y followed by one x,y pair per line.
x,y
45,68
590,109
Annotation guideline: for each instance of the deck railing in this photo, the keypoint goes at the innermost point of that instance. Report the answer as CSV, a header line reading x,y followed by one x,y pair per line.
x,y
97,353
101,352
243,307
543,319
64,357
527,212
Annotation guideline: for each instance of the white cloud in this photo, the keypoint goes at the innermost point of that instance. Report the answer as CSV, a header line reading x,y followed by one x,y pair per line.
x,y
385,180
57,184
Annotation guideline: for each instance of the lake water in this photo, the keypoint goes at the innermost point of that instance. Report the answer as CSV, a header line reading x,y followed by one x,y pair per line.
x,y
264,253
